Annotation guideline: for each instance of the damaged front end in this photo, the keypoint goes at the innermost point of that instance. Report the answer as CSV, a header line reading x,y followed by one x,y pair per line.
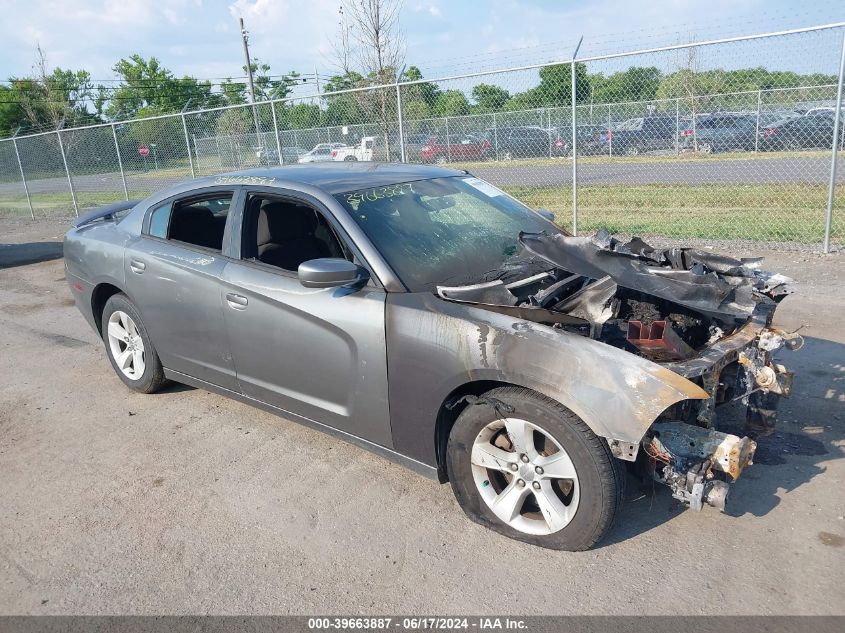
x,y
705,317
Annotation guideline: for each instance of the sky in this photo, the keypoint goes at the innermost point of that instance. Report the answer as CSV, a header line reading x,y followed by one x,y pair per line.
x,y
443,37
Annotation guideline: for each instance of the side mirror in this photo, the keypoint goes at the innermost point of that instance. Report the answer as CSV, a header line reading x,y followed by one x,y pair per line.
x,y
330,272
548,215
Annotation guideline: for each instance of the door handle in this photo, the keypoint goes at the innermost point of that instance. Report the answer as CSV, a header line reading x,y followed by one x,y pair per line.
x,y
137,266
238,302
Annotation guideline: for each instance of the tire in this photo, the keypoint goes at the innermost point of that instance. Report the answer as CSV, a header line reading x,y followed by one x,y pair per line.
x,y
591,498
120,320
440,160
350,158
705,148
632,150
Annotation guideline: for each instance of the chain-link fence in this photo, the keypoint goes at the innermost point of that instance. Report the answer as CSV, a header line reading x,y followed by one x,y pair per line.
x,y
729,139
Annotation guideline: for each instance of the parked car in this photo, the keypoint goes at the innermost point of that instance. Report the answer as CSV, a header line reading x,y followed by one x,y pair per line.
x,y
269,156
526,142
721,133
365,150
321,153
641,135
423,314
414,143
804,132
464,147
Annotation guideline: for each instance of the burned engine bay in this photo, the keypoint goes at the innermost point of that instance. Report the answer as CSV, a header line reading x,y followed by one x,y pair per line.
x,y
706,317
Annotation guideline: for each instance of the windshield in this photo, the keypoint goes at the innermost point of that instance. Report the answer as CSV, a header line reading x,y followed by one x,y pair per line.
x,y
447,231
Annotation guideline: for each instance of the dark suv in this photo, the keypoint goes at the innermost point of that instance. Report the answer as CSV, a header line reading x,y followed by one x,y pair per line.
x,y
526,142
640,135
721,133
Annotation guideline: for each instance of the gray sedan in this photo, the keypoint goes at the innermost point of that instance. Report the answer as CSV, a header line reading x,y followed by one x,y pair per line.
x,y
427,316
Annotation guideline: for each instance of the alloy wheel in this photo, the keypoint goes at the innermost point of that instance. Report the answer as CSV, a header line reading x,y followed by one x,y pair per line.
x,y
126,345
525,476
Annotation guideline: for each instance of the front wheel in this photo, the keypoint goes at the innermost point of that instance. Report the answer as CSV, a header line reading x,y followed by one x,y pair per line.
x,y
129,347
528,468
632,150
350,158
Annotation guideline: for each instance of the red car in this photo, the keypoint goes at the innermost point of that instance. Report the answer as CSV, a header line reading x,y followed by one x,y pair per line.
x,y
466,147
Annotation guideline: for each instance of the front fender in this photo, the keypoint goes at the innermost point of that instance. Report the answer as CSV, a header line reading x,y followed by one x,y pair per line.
x,y
435,346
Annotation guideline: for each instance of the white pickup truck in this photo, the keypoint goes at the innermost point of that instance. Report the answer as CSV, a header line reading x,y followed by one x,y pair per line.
x,y
365,150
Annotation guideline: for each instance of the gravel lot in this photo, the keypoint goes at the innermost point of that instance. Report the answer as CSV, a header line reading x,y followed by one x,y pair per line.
x,y
186,502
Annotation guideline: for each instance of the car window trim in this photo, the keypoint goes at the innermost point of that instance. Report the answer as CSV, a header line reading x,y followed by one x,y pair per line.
x,y
237,198
300,198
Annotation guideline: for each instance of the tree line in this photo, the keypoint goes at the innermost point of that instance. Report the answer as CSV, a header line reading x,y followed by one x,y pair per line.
x,y
68,98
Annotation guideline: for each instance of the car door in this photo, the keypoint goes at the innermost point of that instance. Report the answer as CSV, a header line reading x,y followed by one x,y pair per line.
x,y
173,271
316,353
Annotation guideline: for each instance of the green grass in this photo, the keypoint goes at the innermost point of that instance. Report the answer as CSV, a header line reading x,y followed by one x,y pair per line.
x,y
765,212
59,204
762,212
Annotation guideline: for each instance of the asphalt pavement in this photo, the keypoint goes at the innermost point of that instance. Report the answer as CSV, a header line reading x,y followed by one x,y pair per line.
x,y
186,502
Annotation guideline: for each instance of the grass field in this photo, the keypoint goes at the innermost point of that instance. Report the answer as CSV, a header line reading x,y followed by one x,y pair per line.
x,y
767,212
763,212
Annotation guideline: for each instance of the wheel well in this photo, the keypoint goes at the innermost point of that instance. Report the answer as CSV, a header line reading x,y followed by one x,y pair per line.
x,y
449,411
101,294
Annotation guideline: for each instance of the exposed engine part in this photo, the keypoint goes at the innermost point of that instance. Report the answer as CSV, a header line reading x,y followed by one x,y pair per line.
x,y
694,489
688,458
658,341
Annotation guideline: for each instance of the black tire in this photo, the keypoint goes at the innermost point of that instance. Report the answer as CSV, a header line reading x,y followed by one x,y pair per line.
x,y
350,158
601,478
632,150
152,379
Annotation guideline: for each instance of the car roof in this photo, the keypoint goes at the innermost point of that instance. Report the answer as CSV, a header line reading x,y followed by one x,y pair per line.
x,y
331,177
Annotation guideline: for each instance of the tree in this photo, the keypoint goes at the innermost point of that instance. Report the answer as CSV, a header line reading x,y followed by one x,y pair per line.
x,y
49,99
371,36
451,103
489,98
635,84
149,88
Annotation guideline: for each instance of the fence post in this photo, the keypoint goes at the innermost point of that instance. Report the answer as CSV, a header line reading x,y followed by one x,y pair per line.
x,y
119,162
677,126
834,149
448,141
757,126
276,132
401,123
67,171
609,134
573,95
23,178
495,137
188,147
549,128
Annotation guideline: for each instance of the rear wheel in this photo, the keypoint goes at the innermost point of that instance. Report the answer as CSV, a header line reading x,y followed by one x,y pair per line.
x,y
632,150
705,148
350,158
440,160
129,347
528,468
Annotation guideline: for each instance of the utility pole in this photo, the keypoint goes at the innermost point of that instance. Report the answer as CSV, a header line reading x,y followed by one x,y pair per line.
x,y
245,38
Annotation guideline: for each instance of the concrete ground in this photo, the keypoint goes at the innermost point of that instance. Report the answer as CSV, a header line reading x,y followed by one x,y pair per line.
x,y
186,502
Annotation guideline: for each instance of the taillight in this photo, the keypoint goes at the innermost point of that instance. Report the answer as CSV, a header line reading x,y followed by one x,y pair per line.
x,y
334,153
609,135
559,142
687,132
770,131
485,144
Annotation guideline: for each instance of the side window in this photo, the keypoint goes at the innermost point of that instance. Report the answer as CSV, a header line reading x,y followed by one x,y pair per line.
x,y
159,221
200,221
285,233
